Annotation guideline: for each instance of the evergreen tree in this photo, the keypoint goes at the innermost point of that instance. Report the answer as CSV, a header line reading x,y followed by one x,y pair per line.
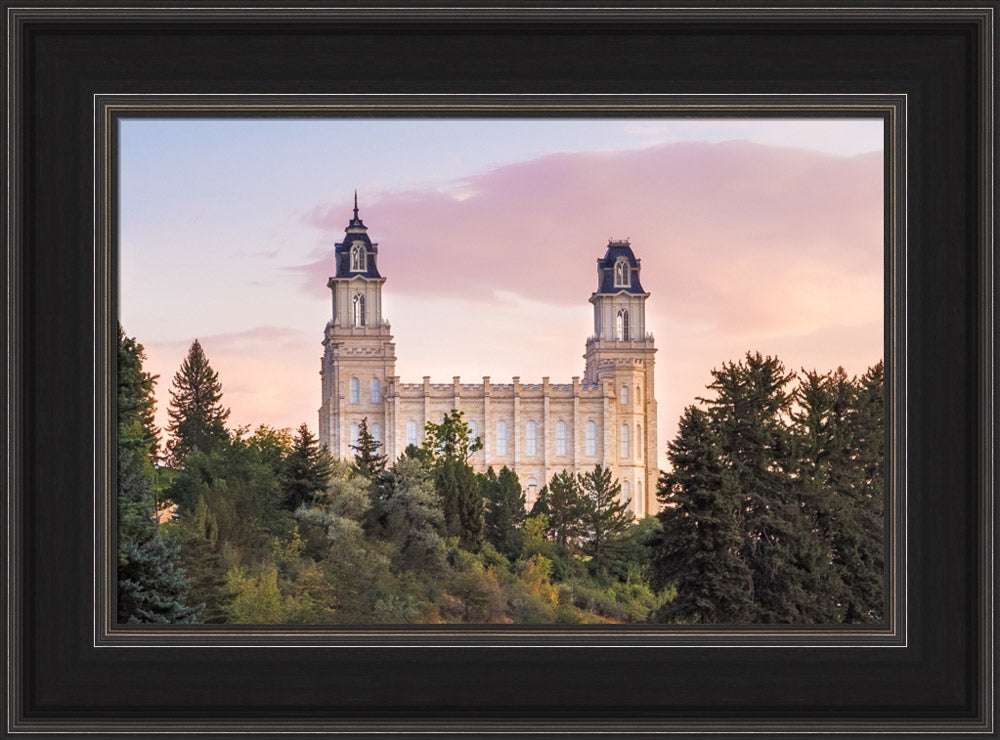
x,y
151,588
367,460
563,502
136,397
197,418
448,446
605,515
305,471
505,510
698,549
750,413
413,517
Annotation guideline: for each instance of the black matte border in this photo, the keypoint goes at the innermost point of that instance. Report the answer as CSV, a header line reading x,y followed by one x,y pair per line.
x,y
942,60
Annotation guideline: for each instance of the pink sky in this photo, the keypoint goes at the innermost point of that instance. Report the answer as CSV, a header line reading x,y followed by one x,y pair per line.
x,y
744,246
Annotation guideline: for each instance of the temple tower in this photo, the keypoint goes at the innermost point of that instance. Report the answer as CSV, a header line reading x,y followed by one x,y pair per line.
x,y
619,358
359,355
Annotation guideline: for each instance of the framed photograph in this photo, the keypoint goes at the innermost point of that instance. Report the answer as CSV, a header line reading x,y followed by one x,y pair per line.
x,y
235,193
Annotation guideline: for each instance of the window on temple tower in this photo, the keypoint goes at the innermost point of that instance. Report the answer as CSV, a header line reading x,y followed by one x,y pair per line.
x,y
591,438
624,440
358,258
626,493
376,390
561,446
355,434
359,310
624,395
622,277
411,432
355,391
377,432
622,330
473,430
531,438
501,442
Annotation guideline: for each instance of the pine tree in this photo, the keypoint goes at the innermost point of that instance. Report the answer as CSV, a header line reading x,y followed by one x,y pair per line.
x,y
367,460
197,418
563,502
305,471
605,515
698,549
505,510
136,395
151,588
448,446
750,413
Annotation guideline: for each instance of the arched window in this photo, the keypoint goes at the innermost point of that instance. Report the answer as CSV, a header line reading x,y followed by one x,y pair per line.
x,y
473,430
531,438
622,330
355,435
376,391
638,441
624,395
355,390
358,262
624,440
501,441
626,493
561,438
377,432
591,439
622,274
359,310
411,432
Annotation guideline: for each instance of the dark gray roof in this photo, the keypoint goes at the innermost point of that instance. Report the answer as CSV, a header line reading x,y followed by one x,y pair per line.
x,y
356,231
606,269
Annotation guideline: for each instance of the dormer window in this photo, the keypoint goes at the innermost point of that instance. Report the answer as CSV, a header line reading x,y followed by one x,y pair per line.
x,y
358,261
623,278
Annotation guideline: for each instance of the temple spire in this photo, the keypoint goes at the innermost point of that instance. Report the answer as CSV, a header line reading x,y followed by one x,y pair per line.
x,y
355,204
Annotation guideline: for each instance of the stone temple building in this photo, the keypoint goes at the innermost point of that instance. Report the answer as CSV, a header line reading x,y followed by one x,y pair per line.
x,y
537,429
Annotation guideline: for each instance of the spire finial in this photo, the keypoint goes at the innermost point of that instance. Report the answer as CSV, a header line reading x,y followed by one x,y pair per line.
x,y
355,204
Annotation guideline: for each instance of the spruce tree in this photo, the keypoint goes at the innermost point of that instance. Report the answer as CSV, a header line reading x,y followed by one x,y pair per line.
x,y
504,510
448,446
197,418
565,505
698,548
305,471
151,588
750,414
605,515
367,460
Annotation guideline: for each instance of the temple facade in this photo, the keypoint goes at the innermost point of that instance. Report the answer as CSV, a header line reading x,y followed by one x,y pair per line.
x,y
607,416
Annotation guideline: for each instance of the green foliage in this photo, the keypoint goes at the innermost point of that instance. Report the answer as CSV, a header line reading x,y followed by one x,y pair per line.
x,y
367,461
451,439
151,587
305,471
773,507
197,418
136,397
605,515
414,518
563,501
504,510
462,505
699,547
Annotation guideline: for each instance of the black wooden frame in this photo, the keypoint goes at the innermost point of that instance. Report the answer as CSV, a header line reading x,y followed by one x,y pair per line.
x,y
929,70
